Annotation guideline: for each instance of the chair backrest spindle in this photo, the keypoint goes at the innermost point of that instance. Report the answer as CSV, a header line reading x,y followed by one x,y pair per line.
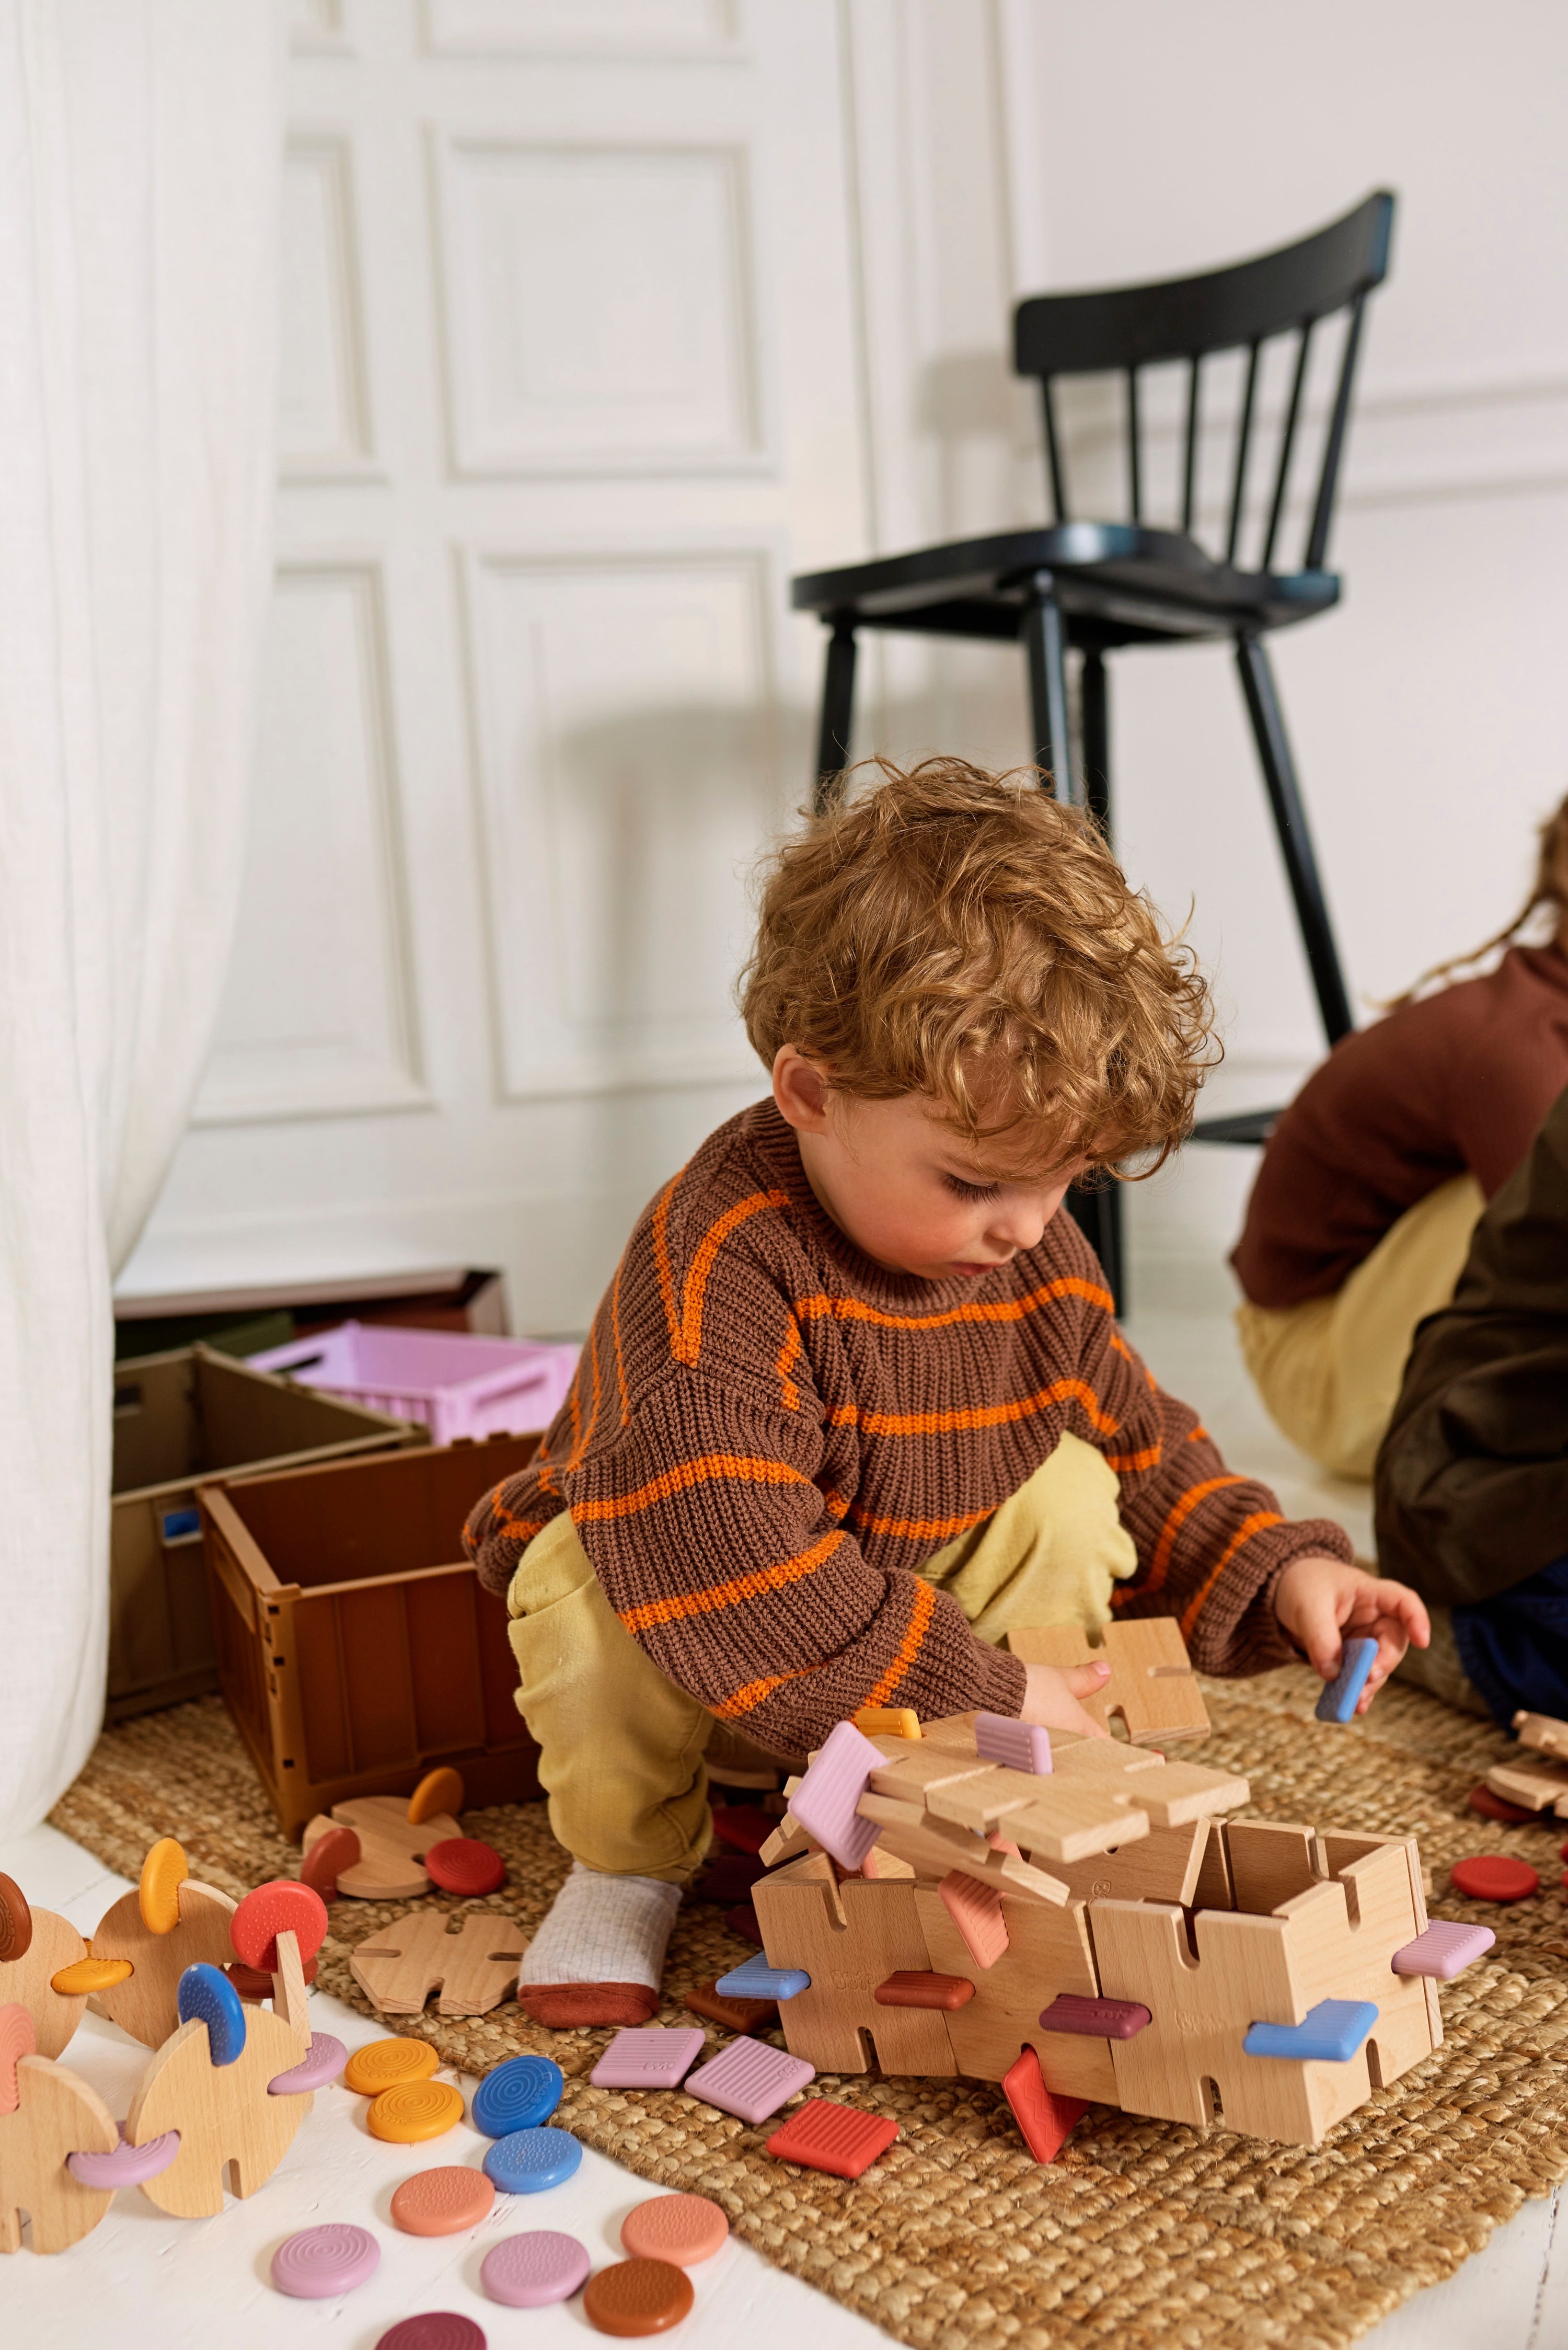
x,y
1135,449
1333,449
1244,449
1287,445
1190,454
1053,453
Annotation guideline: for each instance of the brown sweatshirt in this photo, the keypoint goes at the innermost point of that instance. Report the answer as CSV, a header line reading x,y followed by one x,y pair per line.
x,y
1460,1081
768,1432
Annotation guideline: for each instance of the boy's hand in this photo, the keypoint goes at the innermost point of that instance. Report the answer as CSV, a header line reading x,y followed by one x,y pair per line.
x,y
1051,1697
1320,1602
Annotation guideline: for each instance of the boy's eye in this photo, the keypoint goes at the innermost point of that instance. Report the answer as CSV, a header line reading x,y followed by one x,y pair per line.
x,y
963,1190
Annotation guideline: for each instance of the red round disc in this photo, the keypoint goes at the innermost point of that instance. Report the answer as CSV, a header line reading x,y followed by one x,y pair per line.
x,y
329,1856
1489,1877
284,1906
464,1865
1497,1807
252,1983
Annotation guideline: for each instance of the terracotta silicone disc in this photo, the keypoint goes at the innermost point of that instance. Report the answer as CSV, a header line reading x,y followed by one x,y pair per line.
x,y
283,1906
685,2229
1497,1807
634,2297
442,2202
16,1920
438,1792
329,1856
383,2064
464,1865
434,2329
1489,1877
411,2111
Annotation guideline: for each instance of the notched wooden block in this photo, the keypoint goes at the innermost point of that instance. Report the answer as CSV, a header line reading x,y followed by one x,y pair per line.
x,y
398,1967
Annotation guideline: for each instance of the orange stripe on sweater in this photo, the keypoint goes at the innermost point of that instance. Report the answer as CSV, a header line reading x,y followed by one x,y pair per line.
x,y
1257,1523
1178,1516
662,1261
745,1699
522,1530
706,1470
684,1322
919,1617
615,1332
788,1357
680,1605
1007,1309
1128,1464
918,1529
991,1415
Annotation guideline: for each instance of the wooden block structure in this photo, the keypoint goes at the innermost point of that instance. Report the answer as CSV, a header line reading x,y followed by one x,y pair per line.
x,y
1152,1685
1538,1784
1127,1884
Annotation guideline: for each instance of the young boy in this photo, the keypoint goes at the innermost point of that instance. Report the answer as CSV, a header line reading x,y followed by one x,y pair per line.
x,y
855,1404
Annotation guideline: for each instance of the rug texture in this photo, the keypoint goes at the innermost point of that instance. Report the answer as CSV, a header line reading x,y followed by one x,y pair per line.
x,y
1142,2232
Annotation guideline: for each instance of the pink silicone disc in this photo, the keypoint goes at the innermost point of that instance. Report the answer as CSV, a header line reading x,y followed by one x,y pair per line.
x,y
682,2229
127,2165
320,2263
321,2064
434,2329
527,2272
442,2201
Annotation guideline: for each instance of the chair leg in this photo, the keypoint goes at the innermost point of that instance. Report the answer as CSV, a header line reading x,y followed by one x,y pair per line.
x,y
837,715
1295,839
1046,644
1098,1212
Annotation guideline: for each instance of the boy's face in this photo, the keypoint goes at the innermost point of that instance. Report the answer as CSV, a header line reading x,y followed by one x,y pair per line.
x,y
908,1188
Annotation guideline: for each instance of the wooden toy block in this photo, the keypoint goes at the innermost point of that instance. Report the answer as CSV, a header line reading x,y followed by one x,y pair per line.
x,y
229,2125
788,1841
881,1866
1170,1793
932,1849
1541,1732
1152,1686
1044,2118
954,1734
289,1988
401,1964
147,2005
1271,1862
392,1845
1214,1890
849,1938
55,2114
52,1945
1047,1952
1069,1817
1166,1864
909,1776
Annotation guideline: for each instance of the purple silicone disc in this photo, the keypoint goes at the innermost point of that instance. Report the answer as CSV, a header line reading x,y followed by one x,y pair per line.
x,y
321,2064
434,2329
321,2262
127,2165
527,2272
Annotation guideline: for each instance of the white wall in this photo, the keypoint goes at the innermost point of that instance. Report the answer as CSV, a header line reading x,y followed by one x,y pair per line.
x,y
536,684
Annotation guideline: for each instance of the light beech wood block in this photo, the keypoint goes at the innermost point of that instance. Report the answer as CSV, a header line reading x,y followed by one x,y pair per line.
x,y
1170,1793
146,2006
27,1981
1152,1685
932,1849
848,1939
981,1799
1214,1890
788,1841
1537,1786
392,1845
1166,1864
399,1966
1542,1734
954,1734
290,1994
1271,1862
56,2114
910,1777
1348,1953
1048,1951
229,2127
881,1868
1068,1818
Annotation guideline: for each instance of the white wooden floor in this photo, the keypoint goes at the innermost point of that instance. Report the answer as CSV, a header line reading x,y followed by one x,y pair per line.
x,y
155,2284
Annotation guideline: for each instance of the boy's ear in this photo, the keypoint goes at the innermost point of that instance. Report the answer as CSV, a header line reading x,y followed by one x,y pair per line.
x,y
801,1090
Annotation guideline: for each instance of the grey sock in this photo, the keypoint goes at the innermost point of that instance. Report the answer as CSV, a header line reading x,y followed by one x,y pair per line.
x,y
604,1930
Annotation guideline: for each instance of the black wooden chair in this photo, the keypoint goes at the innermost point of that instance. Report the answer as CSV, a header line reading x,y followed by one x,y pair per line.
x,y
1098,586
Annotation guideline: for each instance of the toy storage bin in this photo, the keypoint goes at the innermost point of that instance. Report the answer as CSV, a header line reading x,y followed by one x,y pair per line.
x,y
458,1384
355,1645
179,1417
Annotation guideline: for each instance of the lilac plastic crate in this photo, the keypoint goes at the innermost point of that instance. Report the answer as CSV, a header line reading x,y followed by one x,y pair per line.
x,y
457,1384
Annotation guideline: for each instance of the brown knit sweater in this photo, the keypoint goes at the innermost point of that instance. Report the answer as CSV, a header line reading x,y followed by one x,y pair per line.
x,y
767,1431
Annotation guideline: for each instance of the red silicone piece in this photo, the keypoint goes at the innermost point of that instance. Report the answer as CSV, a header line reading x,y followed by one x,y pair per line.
x,y
464,1865
329,1856
1489,1877
1043,2118
284,1906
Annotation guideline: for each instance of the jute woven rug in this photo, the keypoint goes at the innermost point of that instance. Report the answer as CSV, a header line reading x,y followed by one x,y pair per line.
x,y
1142,2234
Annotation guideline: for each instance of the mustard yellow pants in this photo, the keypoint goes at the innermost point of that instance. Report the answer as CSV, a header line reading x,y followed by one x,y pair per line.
x,y
1329,1370
621,1748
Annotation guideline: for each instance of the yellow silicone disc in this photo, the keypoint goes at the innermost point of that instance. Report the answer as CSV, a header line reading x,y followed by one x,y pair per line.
x,y
158,1895
389,2065
413,2110
87,1975
437,1790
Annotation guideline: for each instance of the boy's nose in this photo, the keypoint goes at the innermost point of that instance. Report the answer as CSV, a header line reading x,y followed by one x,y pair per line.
x,y
1018,1227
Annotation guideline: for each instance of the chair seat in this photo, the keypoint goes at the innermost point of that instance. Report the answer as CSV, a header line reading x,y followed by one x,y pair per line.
x,y
1117,583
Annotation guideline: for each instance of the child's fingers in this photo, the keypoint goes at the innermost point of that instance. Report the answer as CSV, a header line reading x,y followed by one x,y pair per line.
x,y
1392,1644
1086,1681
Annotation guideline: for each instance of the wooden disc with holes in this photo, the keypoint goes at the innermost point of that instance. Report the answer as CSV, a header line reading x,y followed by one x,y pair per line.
x,y
53,1945
635,2297
147,2005
383,2063
1490,1877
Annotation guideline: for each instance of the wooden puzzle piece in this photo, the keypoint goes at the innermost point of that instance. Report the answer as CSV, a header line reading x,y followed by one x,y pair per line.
x,y
1064,1817
52,1946
401,1964
55,2114
147,2005
1271,1861
1166,1864
1152,1685
1170,1793
391,1866
932,1849
848,1939
228,2122
788,1841
1542,1733
1537,1786
1047,1951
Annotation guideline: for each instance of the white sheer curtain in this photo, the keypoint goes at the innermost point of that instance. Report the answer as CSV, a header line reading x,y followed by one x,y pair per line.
x,y
141,153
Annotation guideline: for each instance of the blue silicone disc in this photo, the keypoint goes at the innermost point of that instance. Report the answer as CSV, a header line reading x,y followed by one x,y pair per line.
x,y
518,2096
526,2161
207,1996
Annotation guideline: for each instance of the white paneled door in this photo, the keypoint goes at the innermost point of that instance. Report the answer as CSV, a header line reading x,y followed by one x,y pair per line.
x,y
571,385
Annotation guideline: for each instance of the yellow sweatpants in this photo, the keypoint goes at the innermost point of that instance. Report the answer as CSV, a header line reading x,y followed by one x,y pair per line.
x,y
621,1748
1329,1370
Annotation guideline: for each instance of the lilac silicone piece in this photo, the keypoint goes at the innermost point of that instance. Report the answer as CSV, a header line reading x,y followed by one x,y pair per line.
x,y
321,2262
750,2078
649,2057
824,1801
528,2272
127,2165
321,2064
1444,1950
1017,1745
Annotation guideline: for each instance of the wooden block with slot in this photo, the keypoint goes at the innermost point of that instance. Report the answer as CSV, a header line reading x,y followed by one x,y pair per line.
x,y
1048,1951
392,1845
1271,1862
1170,1793
848,1939
401,1964
229,2127
1537,1786
145,2006
1542,1733
1166,1864
55,1945
1152,1686
932,1849
56,2114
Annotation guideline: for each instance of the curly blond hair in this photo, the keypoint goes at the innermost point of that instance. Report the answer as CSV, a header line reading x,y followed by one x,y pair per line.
x,y
964,935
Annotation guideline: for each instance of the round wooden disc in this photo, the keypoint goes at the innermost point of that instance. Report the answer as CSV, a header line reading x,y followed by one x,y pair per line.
x,y
53,1945
147,2006
633,2297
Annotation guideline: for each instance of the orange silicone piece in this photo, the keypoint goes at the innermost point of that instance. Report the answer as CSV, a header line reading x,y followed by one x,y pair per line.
x,y
388,2063
158,1895
87,1975
887,1722
438,1792
413,2110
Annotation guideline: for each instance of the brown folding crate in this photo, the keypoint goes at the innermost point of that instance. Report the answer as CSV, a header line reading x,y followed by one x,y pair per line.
x,y
355,1645
179,1417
